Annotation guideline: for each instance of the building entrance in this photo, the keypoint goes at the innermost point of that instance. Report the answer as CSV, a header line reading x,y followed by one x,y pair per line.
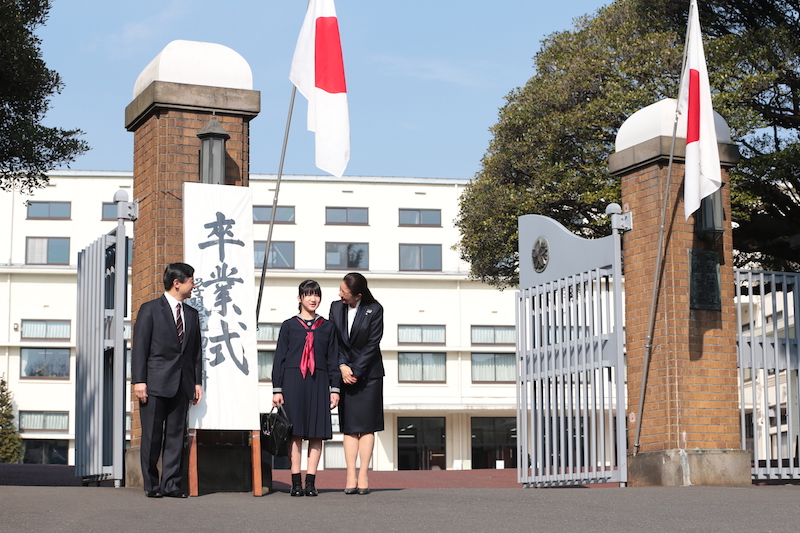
x,y
493,440
421,443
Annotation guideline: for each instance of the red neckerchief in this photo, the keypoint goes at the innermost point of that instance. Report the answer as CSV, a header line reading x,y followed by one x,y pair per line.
x,y
307,360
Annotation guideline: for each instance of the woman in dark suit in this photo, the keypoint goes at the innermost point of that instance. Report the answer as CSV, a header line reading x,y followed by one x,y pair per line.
x,y
358,320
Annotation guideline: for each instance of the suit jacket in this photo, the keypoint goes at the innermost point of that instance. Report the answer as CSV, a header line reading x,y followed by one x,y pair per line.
x,y
360,350
158,358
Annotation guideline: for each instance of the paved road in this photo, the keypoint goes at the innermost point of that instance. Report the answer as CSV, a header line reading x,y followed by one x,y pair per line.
x,y
457,510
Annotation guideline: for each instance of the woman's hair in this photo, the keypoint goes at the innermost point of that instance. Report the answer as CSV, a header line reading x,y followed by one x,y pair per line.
x,y
357,284
309,286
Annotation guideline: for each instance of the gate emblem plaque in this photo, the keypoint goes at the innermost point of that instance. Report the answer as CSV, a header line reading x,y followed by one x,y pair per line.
x,y
540,254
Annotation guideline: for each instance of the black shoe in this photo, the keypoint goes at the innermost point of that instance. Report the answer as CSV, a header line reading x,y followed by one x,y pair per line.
x,y
176,494
351,491
297,490
153,494
311,490
363,491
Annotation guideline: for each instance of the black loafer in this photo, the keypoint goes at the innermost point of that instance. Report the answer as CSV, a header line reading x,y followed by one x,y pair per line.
x,y
297,490
153,494
311,490
176,494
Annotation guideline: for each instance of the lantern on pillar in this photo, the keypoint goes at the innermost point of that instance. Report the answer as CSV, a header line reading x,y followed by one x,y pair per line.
x,y
212,152
709,219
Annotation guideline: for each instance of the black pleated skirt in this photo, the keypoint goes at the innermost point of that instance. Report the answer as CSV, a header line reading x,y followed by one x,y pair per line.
x,y
307,403
361,407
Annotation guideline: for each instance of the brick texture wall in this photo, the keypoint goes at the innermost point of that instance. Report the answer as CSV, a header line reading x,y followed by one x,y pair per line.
x,y
691,397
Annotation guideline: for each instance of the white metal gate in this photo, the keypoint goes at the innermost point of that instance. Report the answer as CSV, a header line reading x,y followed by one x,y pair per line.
x,y
571,396
767,304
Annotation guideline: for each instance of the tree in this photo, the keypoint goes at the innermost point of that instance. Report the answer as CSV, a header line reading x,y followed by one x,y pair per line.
x,y
551,144
549,153
28,150
10,441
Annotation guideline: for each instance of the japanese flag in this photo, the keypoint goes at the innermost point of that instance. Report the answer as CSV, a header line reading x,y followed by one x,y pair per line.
x,y
703,175
318,73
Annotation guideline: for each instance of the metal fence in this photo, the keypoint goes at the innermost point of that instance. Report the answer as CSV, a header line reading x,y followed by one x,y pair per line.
x,y
100,353
767,304
571,387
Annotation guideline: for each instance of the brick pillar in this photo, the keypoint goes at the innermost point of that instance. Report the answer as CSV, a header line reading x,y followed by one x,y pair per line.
x,y
690,430
165,118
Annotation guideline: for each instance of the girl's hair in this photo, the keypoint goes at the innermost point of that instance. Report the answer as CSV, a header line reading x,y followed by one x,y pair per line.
x,y
309,286
357,284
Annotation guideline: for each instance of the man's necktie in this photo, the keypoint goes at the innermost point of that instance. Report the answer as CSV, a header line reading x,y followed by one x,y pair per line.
x,y
179,323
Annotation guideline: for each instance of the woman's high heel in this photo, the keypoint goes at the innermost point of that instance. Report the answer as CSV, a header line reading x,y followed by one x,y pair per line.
x,y
351,491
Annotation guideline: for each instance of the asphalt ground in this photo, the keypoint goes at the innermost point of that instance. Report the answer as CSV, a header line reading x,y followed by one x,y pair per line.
x,y
477,505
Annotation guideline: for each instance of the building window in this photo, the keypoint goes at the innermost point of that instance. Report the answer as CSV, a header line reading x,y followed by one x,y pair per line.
x,y
47,251
420,334
494,441
43,421
45,329
493,368
421,257
45,363
268,332
283,215
45,451
346,256
493,335
51,210
421,217
265,361
109,211
347,215
281,254
418,366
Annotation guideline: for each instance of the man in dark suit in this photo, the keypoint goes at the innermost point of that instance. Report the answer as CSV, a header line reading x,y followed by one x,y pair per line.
x,y
166,374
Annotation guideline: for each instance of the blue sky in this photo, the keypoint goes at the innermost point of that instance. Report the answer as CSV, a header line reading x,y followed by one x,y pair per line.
x,y
425,78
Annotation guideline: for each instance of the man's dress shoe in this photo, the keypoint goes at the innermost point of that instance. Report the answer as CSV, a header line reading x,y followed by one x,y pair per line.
x,y
176,494
153,494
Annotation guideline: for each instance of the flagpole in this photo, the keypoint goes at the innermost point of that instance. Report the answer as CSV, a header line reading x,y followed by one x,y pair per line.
x,y
275,202
659,264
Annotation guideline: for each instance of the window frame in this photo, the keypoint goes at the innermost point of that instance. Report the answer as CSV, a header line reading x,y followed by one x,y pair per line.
x,y
421,330
347,216
494,367
49,204
272,246
278,219
47,325
274,326
421,257
42,430
494,335
423,380
347,265
420,224
48,251
22,373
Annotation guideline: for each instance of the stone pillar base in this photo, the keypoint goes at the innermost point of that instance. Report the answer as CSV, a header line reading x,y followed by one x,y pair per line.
x,y
675,468
133,468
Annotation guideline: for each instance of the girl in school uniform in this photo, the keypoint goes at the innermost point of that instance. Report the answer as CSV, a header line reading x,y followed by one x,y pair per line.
x,y
306,379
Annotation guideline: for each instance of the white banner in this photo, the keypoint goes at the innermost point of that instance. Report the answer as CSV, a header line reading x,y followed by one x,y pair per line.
x,y
218,243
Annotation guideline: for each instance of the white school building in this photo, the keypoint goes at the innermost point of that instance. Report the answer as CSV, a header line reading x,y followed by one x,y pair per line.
x,y
448,343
